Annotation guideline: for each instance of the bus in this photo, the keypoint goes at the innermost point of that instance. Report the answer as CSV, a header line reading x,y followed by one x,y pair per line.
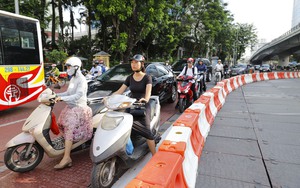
x,y
21,60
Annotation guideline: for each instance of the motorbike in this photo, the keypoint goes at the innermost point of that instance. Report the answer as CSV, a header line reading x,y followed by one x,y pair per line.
x,y
25,151
226,73
115,146
185,92
201,81
217,77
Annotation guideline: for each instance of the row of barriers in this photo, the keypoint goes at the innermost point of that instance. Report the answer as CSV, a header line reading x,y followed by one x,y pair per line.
x,y
176,162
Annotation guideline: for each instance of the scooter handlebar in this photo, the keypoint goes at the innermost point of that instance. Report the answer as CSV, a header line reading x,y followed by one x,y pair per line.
x,y
95,100
184,78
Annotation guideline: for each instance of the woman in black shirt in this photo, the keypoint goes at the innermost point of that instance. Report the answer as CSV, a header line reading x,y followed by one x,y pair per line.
x,y
140,86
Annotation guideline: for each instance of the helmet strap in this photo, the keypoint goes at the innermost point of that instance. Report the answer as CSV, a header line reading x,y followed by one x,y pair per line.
x,y
76,68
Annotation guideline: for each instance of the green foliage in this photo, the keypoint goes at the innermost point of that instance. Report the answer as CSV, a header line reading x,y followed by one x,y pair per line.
x,y
56,56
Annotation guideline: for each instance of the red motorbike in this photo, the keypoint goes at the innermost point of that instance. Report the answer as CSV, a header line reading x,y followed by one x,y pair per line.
x,y
185,93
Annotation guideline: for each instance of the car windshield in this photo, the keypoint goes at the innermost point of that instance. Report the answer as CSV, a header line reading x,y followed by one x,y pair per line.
x,y
265,65
116,73
179,65
119,73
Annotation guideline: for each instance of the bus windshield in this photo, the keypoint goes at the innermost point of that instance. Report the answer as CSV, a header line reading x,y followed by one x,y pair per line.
x,y
21,60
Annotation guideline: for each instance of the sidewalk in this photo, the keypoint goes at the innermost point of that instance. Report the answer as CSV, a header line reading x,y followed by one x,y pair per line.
x,y
254,140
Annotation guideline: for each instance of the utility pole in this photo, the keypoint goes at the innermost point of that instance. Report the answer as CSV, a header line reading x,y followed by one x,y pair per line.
x,y
17,7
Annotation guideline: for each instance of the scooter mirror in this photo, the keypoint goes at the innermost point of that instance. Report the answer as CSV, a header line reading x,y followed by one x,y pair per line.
x,y
46,96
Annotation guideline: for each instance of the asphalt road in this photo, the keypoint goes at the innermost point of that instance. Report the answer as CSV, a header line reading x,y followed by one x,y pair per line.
x,y
254,141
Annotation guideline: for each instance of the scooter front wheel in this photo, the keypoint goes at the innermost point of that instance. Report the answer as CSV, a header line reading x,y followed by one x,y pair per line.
x,y
104,174
19,159
182,104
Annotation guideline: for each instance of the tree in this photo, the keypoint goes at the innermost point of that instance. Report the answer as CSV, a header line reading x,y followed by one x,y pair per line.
x,y
131,21
56,56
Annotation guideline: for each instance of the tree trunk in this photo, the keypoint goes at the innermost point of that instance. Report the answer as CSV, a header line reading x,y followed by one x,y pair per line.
x,y
43,5
72,22
53,44
61,20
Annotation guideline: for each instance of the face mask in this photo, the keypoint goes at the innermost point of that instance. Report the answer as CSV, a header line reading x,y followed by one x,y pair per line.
x,y
71,71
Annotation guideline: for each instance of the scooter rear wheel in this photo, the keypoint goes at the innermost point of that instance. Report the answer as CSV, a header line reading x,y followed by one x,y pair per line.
x,y
15,159
100,175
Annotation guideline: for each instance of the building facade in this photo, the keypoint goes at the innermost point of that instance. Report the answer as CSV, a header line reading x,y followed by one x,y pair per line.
x,y
296,13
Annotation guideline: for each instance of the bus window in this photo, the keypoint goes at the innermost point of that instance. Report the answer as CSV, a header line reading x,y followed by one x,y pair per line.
x,y
19,47
27,40
10,37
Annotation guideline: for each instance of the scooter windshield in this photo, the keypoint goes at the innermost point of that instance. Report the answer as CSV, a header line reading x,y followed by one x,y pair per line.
x,y
117,101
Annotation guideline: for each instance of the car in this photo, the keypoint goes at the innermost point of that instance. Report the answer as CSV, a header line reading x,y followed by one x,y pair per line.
x,y
164,82
256,67
292,65
178,66
279,67
238,70
297,67
265,68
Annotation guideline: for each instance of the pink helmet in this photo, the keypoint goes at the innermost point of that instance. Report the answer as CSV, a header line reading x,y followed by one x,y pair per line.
x,y
53,65
190,60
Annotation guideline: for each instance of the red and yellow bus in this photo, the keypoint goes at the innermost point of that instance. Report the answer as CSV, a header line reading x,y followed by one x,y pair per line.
x,y
21,60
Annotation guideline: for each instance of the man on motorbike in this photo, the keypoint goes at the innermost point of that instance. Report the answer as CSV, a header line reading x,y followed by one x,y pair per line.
x,y
95,70
202,68
140,86
190,70
219,68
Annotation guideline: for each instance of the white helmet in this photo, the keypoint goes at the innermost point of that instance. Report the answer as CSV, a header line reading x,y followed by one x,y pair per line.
x,y
73,61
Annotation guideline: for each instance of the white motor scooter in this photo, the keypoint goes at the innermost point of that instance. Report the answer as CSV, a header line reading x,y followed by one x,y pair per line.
x,y
26,150
112,150
217,76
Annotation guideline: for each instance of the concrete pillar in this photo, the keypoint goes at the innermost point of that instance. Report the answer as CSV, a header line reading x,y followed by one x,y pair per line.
x,y
284,59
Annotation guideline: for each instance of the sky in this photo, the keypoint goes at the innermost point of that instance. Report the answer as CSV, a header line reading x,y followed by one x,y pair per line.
x,y
271,18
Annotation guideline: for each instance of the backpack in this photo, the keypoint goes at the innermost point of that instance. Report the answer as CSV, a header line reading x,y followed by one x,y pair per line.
x,y
187,68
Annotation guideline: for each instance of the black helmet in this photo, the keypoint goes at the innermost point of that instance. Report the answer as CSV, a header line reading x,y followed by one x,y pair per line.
x,y
138,57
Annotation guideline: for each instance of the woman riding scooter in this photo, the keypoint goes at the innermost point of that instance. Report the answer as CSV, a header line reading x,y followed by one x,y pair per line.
x,y
75,120
202,69
140,85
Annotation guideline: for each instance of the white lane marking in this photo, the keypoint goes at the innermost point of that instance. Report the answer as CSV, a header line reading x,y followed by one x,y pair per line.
x,y
13,122
3,168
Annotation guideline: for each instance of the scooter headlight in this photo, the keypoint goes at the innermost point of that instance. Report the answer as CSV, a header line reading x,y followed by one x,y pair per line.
x,y
125,105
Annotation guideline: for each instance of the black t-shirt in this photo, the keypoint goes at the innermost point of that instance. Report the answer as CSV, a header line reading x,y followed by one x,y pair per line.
x,y
138,88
